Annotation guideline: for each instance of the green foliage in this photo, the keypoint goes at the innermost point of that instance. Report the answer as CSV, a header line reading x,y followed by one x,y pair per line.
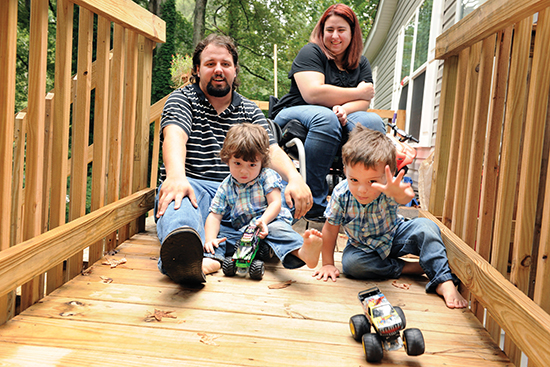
x,y
179,35
257,26
162,81
180,69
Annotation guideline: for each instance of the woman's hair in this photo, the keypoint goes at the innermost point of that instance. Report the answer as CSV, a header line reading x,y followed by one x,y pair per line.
x,y
218,40
248,142
353,53
369,148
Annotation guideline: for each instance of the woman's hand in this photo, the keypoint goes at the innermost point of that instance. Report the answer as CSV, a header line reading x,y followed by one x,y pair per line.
x,y
341,114
366,90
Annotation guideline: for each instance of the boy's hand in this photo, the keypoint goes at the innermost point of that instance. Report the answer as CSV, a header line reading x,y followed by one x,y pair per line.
x,y
263,228
395,187
326,272
211,246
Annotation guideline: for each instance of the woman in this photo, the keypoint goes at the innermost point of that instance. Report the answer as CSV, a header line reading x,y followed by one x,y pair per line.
x,y
331,89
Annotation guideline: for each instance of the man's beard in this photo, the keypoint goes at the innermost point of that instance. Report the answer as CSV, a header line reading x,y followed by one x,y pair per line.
x,y
217,92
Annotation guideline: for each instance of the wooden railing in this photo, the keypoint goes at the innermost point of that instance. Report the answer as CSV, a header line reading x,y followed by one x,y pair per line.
x,y
490,188
34,192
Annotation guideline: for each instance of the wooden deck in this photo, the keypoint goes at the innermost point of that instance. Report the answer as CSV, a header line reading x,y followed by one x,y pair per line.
x,y
105,318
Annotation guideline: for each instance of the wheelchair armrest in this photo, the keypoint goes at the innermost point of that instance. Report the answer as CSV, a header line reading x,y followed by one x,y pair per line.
x,y
299,145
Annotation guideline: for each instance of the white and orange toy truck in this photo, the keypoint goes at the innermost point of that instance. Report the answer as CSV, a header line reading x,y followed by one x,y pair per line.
x,y
387,322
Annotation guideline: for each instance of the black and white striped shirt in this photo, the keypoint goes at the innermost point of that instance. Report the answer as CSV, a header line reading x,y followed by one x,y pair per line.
x,y
189,109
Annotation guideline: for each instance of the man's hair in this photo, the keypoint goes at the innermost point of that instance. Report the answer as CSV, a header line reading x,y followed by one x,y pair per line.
x,y
353,52
370,148
218,40
247,142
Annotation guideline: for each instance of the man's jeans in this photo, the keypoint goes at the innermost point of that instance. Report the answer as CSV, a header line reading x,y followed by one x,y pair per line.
x,y
419,236
323,140
283,239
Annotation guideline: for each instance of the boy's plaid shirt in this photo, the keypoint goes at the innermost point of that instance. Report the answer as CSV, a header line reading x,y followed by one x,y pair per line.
x,y
369,227
245,202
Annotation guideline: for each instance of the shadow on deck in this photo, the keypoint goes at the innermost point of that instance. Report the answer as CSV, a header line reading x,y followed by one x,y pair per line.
x,y
106,318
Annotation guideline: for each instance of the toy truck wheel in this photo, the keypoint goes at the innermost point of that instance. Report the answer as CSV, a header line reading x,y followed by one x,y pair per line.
x,y
229,267
401,316
257,269
413,341
265,252
359,325
372,346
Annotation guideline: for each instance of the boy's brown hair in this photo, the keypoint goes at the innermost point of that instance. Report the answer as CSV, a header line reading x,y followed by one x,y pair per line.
x,y
369,147
246,141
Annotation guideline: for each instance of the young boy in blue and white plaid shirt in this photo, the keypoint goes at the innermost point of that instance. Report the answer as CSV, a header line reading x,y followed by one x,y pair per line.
x,y
366,204
252,192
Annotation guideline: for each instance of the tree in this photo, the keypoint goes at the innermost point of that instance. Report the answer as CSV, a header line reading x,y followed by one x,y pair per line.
x,y
198,25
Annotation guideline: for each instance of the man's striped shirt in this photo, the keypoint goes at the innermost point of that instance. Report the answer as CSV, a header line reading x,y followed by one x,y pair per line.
x,y
189,109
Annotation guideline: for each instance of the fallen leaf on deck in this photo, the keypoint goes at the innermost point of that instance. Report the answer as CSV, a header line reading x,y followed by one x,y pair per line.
x,y
158,315
281,285
87,271
105,279
401,285
208,339
113,262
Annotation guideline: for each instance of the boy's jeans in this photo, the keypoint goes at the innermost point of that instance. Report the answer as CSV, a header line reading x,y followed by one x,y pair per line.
x,y
323,140
187,215
419,236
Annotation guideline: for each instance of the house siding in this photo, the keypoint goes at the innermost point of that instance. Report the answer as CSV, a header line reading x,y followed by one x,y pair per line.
x,y
385,63
385,60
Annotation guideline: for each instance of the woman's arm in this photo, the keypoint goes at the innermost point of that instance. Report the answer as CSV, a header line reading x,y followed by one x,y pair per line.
x,y
314,90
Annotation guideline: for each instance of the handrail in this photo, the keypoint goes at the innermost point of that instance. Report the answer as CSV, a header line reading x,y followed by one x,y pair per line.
x,y
23,262
130,15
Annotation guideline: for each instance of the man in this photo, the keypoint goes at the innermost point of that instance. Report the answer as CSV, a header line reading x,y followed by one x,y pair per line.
x,y
194,124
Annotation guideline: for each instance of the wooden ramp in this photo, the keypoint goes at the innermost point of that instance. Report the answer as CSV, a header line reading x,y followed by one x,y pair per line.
x,y
106,318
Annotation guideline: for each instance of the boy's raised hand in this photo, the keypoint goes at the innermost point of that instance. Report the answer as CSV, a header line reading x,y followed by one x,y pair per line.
x,y
326,272
401,191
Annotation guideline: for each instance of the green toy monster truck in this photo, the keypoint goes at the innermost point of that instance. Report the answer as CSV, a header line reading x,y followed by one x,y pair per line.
x,y
244,259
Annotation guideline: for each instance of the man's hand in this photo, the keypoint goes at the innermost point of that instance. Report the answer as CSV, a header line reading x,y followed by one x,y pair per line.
x,y
327,272
298,195
175,189
211,246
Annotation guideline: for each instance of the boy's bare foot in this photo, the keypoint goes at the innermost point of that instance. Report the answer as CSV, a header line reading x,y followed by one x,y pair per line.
x,y
311,249
453,299
210,265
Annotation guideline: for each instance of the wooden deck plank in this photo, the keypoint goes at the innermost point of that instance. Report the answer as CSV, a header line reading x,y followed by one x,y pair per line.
x,y
88,322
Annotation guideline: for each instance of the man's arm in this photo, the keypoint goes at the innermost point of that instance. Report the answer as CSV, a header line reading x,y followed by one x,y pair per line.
x,y
296,189
176,186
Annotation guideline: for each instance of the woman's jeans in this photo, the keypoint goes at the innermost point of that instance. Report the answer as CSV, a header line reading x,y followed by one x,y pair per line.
x,y
418,236
323,139
283,239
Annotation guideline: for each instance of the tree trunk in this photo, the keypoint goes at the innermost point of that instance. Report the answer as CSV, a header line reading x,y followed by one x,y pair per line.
x,y
198,23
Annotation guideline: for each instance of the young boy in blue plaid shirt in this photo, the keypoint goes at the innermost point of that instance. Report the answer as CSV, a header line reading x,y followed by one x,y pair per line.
x,y
366,204
252,192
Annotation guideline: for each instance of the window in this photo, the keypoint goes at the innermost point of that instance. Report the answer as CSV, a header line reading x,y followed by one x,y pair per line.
x,y
414,44
465,7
